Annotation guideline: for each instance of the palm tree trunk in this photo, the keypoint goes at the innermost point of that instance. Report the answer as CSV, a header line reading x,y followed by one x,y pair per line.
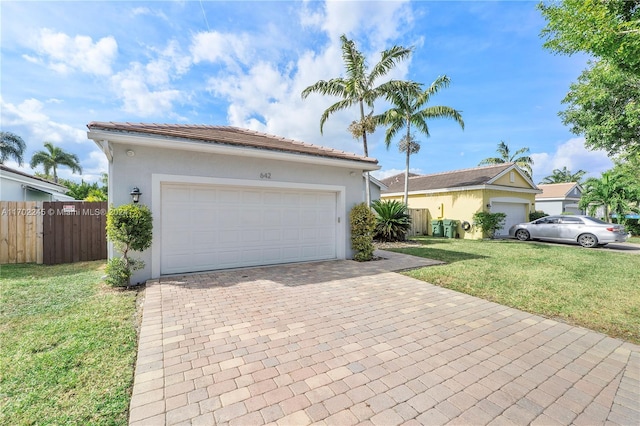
x,y
406,171
367,181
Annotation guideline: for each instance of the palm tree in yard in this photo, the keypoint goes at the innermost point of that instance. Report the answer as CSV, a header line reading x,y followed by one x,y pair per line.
x,y
520,157
564,175
358,88
409,109
614,192
11,146
54,157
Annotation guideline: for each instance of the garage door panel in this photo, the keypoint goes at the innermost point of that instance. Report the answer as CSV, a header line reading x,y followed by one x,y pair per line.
x,y
516,213
217,227
202,195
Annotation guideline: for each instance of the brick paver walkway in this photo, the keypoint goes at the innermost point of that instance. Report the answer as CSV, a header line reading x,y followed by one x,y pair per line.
x,y
344,343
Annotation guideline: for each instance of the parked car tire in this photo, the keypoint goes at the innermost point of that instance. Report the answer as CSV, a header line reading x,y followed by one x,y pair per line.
x,y
588,240
522,235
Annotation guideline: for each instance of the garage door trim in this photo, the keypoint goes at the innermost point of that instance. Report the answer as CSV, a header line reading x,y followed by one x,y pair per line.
x,y
158,179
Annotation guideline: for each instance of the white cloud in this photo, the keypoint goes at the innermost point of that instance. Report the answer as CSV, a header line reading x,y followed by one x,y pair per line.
x,y
146,90
30,113
132,87
214,46
65,54
573,155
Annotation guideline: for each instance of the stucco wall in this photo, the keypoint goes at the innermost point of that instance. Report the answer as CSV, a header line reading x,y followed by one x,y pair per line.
x,y
555,207
462,205
138,170
11,190
518,180
457,205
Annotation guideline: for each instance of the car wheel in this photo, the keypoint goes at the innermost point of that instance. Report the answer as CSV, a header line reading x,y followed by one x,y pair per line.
x,y
588,240
522,234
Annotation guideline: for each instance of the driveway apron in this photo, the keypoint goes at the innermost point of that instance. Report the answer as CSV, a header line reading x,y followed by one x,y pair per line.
x,y
344,343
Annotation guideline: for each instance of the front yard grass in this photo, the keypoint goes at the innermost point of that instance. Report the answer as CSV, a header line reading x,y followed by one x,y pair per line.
x,y
590,288
67,346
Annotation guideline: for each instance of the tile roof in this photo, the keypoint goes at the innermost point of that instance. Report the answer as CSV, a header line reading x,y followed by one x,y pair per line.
x,y
229,135
397,178
454,179
556,190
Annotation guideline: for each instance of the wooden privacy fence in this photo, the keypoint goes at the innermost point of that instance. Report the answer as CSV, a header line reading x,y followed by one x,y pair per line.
x,y
20,232
52,232
419,222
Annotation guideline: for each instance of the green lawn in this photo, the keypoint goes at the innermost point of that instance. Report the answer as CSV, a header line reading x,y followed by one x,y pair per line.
x,y
590,288
68,346
635,239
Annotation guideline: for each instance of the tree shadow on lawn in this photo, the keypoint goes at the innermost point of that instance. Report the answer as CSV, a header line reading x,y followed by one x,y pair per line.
x,y
448,256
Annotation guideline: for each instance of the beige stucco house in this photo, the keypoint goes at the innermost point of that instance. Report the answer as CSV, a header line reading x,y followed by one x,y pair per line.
x,y
559,198
223,197
459,194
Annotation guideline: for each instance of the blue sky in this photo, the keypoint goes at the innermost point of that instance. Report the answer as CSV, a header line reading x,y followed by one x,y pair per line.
x,y
65,64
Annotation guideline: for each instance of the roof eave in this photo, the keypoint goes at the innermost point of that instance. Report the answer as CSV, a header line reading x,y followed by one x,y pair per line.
x,y
465,188
100,136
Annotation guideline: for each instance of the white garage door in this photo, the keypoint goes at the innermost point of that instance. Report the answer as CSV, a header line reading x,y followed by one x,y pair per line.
x,y
207,227
516,213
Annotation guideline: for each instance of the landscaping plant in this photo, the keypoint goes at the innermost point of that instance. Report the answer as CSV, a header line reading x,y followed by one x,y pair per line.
x,y
392,221
363,224
129,227
489,222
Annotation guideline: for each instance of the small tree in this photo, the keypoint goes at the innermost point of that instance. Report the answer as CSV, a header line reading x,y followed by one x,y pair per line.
x,y
363,223
489,223
129,227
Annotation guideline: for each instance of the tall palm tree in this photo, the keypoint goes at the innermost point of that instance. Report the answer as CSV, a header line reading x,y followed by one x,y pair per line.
x,y
358,88
54,157
408,109
11,146
520,157
564,175
614,192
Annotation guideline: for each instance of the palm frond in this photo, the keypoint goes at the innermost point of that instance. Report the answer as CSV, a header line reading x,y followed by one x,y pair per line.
x,y
388,59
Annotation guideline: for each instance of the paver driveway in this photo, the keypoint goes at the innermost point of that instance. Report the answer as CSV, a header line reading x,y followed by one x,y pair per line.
x,y
344,343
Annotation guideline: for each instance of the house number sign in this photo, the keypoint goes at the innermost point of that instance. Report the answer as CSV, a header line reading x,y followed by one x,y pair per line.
x,y
265,175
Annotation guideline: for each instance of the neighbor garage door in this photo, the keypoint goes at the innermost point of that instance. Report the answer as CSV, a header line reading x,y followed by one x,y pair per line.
x,y
207,227
516,213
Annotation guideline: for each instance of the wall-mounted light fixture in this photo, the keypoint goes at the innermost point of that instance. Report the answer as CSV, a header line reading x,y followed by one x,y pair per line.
x,y
488,205
135,194
352,173
130,153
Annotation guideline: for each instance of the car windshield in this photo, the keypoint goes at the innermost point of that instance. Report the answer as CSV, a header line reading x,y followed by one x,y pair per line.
x,y
593,219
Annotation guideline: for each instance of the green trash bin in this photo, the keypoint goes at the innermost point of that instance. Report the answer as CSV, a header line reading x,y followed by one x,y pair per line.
x,y
450,228
437,228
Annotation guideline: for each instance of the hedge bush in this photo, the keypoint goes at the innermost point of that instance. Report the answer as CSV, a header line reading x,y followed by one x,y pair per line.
x,y
363,224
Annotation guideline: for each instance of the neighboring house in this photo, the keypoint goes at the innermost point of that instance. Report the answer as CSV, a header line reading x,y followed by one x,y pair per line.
x,y
376,187
459,194
223,197
559,198
19,186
